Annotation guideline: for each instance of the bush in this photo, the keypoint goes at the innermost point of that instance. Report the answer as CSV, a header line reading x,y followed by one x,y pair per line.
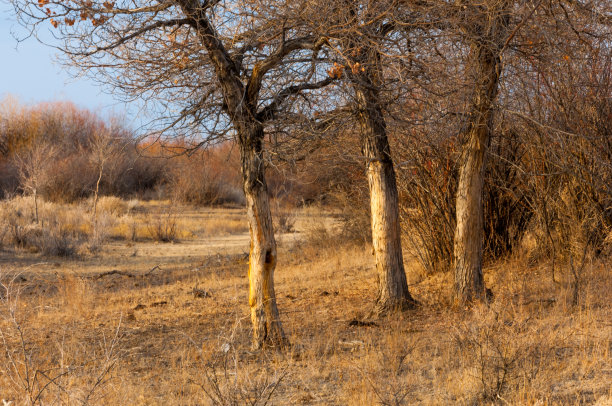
x,y
530,188
163,226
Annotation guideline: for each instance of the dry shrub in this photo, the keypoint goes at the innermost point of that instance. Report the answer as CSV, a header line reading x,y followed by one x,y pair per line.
x,y
354,218
283,216
163,226
206,177
72,132
317,235
284,222
492,347
224,225
534,185
127,228
114,205
63,230
229,376
15,226
102,228
133,205
570,197
383,373
76,294
229,381
427,180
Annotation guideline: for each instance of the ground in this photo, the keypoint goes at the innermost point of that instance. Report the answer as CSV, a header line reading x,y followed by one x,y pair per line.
x,y
146,323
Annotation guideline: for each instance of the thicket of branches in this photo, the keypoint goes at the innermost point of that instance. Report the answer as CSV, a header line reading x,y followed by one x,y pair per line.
x,y
67,154
548,166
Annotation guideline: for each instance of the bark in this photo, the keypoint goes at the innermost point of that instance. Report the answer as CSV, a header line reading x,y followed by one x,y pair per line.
x,y
393,291
469,232
262,260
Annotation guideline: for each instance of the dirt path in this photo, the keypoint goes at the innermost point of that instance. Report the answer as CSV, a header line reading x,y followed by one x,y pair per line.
x,y
142,255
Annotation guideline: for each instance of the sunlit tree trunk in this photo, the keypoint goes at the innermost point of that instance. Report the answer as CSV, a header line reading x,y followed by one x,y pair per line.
x,y
393,291
262,260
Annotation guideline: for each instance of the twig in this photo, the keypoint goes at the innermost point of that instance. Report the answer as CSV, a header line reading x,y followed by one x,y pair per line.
x,y
153,269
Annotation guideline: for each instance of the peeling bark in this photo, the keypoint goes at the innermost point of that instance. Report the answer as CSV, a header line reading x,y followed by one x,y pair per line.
x,y
241,104
469,232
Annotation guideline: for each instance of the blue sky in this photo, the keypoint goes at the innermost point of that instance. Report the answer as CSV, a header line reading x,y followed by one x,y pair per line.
x,y
28,71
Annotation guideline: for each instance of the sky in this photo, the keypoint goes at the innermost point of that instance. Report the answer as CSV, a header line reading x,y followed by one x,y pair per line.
x,y
30,73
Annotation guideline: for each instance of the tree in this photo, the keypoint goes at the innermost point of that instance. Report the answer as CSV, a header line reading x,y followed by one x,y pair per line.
x,y
486,29
33,164
104,149
487,38
360,45
215,68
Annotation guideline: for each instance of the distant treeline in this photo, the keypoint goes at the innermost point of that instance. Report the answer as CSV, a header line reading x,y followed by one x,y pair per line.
x,y
68,146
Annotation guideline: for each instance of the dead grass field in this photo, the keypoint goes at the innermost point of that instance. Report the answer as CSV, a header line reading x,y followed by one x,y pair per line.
x,y
140,322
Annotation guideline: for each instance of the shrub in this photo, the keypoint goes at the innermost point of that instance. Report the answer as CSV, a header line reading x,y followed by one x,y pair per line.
x,y
205,177
162,227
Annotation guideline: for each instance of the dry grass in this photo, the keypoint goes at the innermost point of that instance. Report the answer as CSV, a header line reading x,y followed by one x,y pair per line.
x,y
175,346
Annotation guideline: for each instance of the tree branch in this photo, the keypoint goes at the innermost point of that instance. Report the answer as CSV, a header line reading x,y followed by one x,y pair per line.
x,y
268,112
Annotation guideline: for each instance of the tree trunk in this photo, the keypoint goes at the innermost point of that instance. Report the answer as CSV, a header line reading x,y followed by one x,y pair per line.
x,y
469,232
267,327
469,282
95,204
393,291
36,204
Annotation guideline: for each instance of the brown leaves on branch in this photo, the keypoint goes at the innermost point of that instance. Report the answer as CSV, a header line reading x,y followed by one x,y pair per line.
x,y
336,71
85,14
99,21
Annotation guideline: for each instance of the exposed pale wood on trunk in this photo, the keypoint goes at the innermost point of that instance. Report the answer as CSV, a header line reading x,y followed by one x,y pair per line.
x,y
262,260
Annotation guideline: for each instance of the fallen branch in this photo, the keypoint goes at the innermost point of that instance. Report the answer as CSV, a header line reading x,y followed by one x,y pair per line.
x,y
152,269
128,274
114,272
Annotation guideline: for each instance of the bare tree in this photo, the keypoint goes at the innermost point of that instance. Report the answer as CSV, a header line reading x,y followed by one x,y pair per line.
x,y
486,29
101,154
33,164
359,45
214,68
